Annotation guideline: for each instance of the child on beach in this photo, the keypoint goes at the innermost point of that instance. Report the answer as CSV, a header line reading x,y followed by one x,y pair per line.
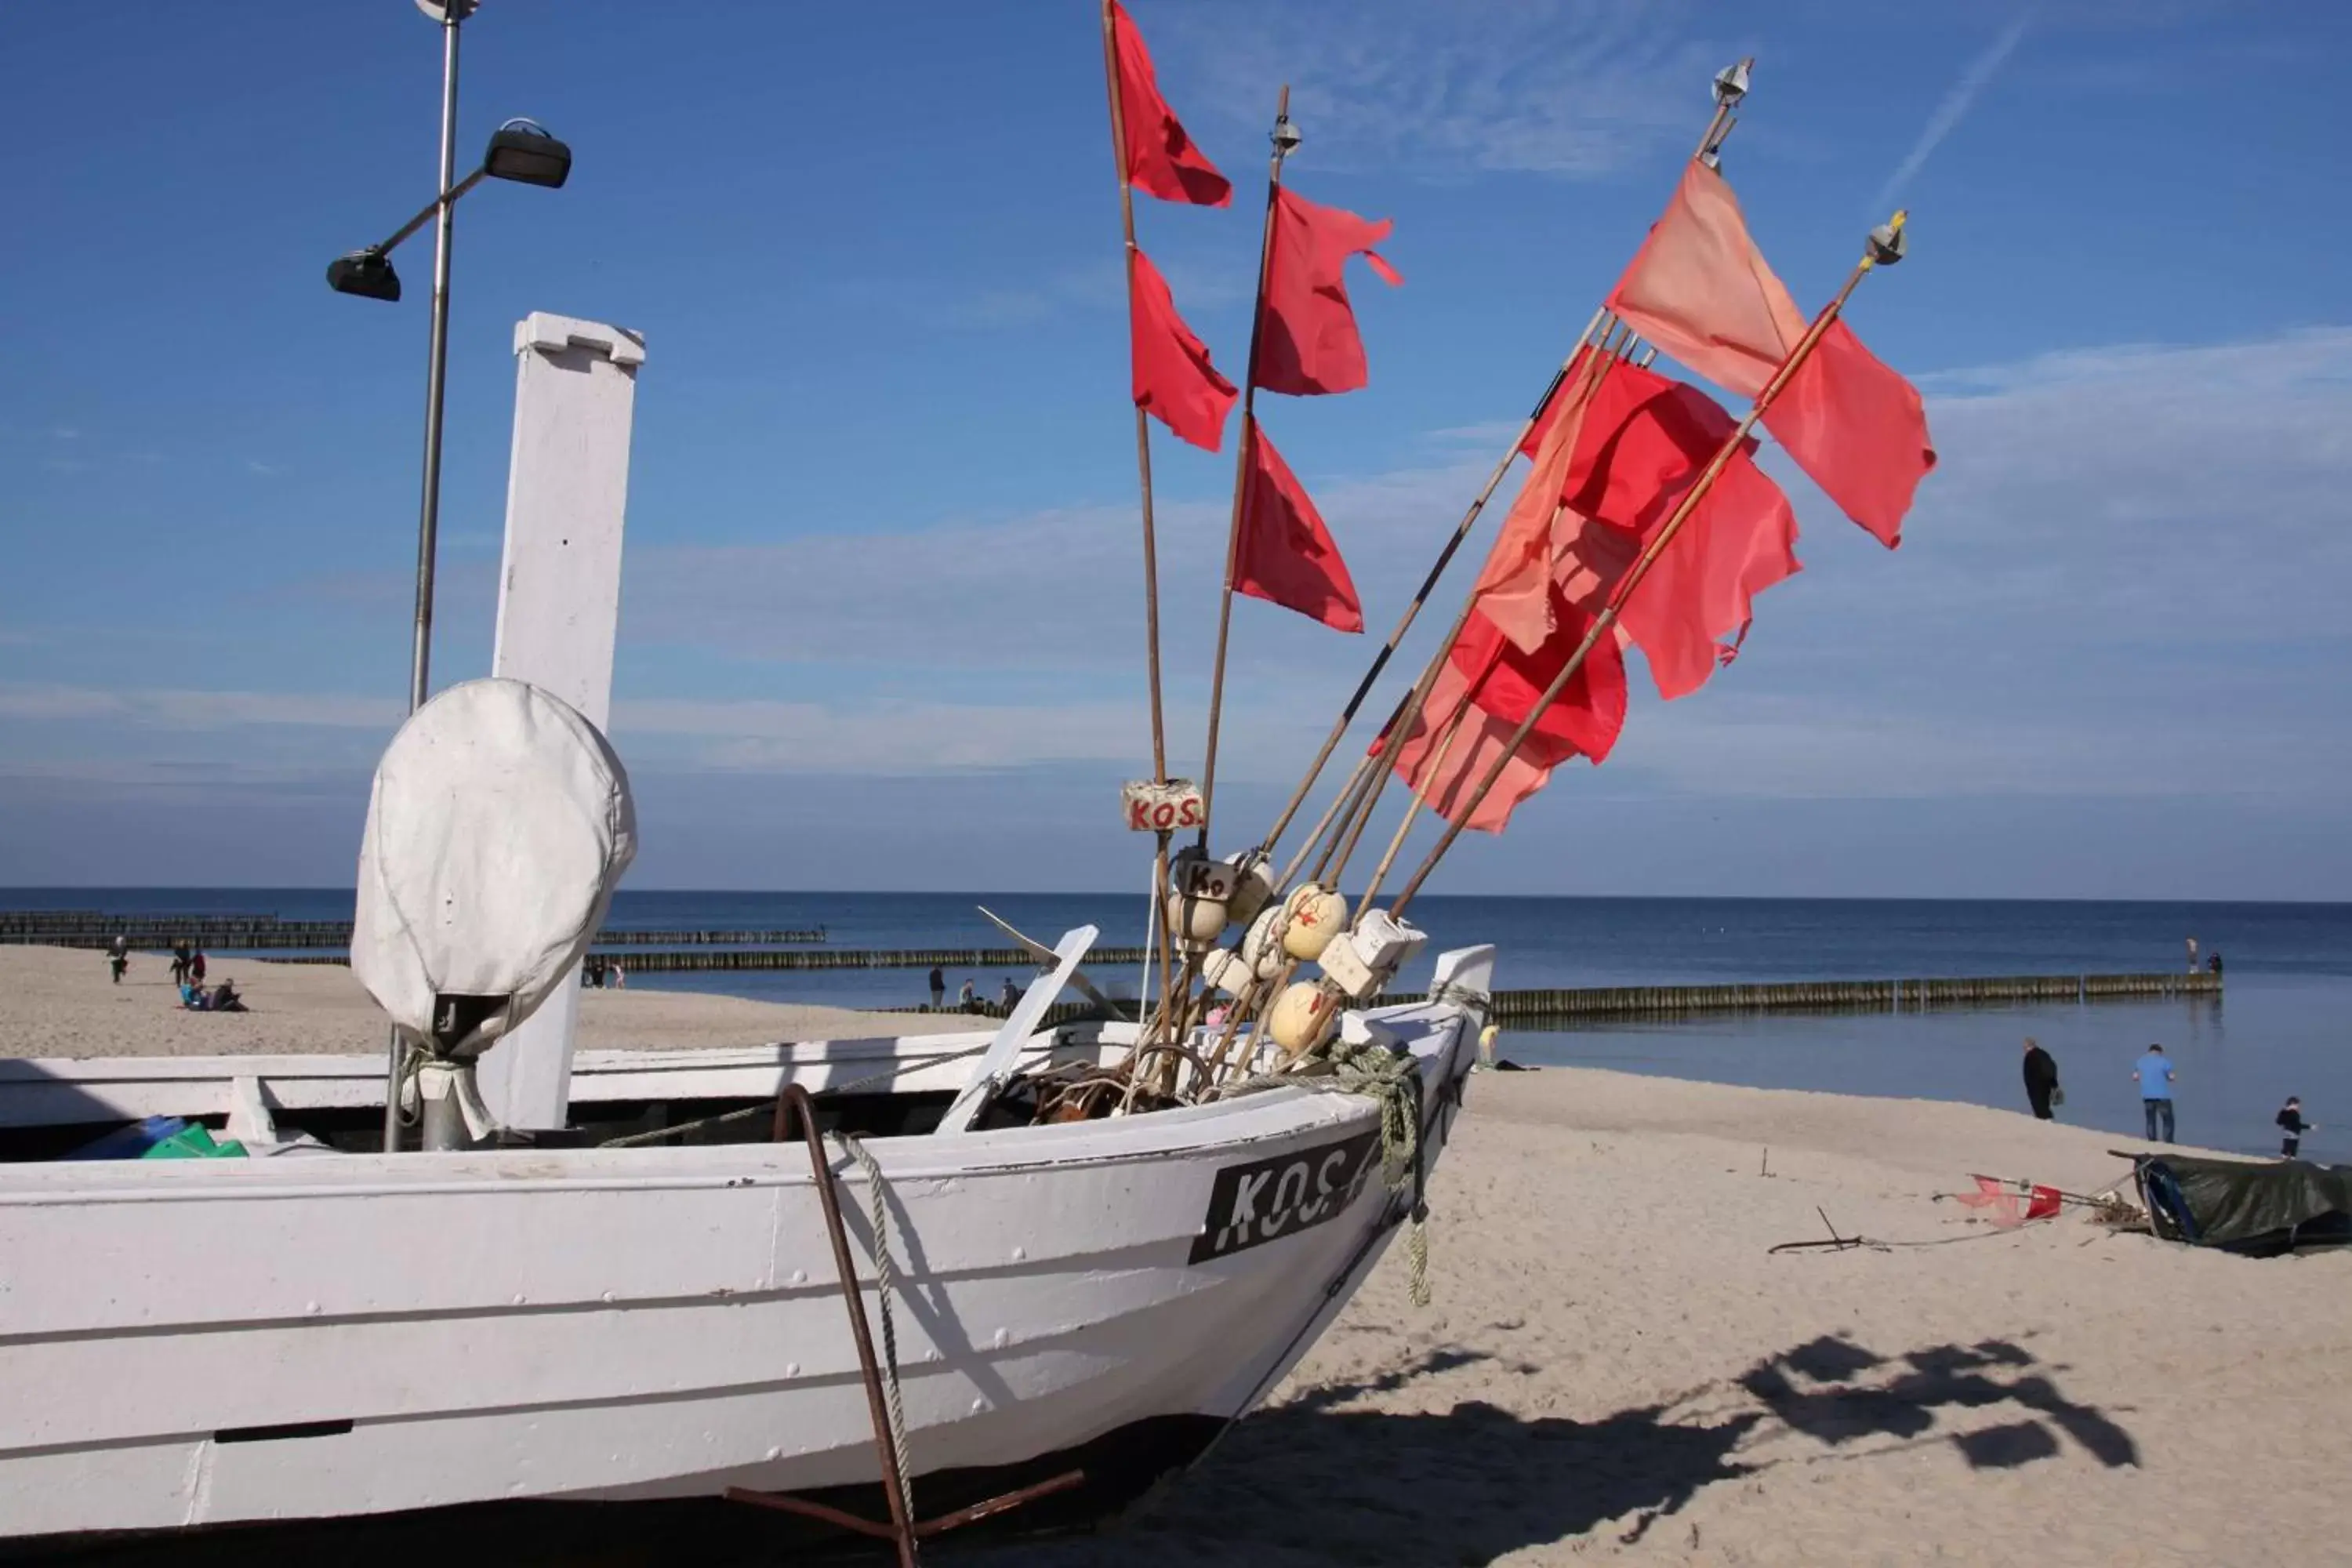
x,y
2291,1123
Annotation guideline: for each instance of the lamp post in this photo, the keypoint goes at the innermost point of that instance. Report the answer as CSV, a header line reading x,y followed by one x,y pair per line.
x,y
521,150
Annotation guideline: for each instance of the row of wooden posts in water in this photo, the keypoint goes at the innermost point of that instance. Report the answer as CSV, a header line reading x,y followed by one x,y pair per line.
x,y
1562,1005
266,933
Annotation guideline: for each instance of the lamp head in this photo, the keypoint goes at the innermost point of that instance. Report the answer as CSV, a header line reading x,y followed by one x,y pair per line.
x,y
366,273
523,151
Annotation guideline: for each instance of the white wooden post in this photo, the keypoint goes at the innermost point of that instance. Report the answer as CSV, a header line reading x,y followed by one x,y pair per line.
x,y
560,606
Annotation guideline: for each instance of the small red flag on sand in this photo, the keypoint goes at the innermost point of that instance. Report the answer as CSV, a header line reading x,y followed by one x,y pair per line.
x,y
1160,158
1174,381
1308,341
1285,554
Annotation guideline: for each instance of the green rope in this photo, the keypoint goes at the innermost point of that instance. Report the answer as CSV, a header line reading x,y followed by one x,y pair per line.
x,y
1388,1078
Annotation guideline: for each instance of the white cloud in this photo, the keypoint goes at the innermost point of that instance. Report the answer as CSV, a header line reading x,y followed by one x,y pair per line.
x,y
1577,88
2124,580
1954,107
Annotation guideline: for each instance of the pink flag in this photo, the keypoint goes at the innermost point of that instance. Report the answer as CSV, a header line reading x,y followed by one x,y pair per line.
x,y
1858,428
1699,289
1173,378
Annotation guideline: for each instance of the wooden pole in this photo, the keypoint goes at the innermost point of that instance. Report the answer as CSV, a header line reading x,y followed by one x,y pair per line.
x,y
1143,475
1624,590
1718,128
1613,343
1428,586
1283,142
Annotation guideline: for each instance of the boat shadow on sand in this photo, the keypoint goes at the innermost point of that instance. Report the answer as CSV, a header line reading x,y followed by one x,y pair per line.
x,y
1315,1481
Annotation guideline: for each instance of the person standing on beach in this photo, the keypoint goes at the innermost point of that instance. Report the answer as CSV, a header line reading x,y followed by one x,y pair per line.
x,y
118,960
1009,997
2154,1072
939,989
2192,955
2040,1080
2293,1125
180,961
196,967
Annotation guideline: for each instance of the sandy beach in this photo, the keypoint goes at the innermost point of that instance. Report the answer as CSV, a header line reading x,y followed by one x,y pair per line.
x,y
1615,1366
55,1002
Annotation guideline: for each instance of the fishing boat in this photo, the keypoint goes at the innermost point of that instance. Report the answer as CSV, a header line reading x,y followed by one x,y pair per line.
x,y
890,1286
1079,1306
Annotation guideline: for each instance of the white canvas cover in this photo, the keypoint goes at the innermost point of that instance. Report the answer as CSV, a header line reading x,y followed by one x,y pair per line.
x,y
499,823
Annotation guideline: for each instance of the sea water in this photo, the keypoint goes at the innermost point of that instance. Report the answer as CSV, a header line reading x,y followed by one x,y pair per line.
x,y
2280,1029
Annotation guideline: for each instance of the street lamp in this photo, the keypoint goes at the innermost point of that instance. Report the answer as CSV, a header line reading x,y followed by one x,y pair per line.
x,y
521,150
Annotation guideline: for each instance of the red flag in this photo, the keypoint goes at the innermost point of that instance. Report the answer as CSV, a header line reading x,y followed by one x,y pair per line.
x,y
1285,554
1173,378
1308,341
1444,779
1699,289
1483,693
1858,428
1611,468
1588,715
1160,158
1644,442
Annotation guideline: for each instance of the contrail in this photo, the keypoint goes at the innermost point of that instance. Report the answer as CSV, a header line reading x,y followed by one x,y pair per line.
x,y
1956,105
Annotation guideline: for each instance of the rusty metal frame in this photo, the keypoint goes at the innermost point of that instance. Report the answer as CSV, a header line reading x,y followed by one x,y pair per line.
x,y
794,1104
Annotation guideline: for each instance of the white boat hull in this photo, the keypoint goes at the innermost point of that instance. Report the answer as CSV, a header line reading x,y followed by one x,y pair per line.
x,y
189,1343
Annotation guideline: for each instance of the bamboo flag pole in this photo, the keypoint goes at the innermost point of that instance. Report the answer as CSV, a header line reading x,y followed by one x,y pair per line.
x,y
1886,246
1614,343
1428,586
1143,475
1730,86
1284,139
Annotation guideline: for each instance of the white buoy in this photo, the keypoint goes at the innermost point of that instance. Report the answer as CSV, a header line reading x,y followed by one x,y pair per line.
x,y
1316,917
1262,947
1300,1014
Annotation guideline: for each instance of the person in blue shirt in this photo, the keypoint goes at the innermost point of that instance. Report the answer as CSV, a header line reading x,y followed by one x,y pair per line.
x,y
2154,1072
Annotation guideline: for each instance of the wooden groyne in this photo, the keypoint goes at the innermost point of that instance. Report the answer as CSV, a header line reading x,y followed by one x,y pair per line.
x,y
1837,995
266,933
1586,1004
957,957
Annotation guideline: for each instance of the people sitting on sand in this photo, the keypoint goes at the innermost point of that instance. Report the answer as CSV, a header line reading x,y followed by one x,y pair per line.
x,y
969,998
1008,996
226,999
191,998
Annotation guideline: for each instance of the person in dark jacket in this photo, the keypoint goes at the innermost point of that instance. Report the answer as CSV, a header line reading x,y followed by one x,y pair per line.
x,y
2293,1125
2041,1078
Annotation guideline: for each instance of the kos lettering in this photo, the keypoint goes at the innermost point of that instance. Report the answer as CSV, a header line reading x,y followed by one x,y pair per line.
x,y
1265,1200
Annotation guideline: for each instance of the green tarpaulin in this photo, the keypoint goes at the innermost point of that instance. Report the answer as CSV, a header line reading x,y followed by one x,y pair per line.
x,y
2244,1206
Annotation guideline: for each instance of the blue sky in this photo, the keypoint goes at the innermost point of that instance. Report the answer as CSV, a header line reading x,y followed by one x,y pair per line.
x,y
880,622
